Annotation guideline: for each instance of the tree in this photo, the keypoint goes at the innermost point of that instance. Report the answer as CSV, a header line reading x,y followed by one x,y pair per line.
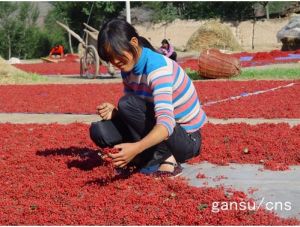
x,y
28,36
163,11
8,26
74,14
233,10
200,10
19,33
265,4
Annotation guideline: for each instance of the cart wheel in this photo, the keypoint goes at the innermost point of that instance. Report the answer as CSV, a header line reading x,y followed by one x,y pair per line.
x,y
89,63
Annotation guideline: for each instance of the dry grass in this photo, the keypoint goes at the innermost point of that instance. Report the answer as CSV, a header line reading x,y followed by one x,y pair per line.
x,y
213,34
11,75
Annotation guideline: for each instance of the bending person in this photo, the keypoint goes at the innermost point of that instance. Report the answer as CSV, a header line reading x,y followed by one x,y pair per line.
x,y
157,122
168,50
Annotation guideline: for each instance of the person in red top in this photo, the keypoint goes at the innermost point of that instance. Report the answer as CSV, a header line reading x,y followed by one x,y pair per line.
x,y
57,50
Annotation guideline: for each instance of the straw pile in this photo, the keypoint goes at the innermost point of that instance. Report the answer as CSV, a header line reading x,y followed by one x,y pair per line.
x,y
7,69
213,34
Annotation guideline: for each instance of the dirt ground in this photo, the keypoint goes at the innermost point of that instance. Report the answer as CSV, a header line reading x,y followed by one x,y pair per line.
x,y
26,118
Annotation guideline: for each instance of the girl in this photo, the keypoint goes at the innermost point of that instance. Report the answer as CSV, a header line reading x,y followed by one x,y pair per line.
x,y
168,50
156,124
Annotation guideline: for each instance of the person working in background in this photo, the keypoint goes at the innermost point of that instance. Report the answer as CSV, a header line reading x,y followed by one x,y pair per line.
x,y
168,50
57,50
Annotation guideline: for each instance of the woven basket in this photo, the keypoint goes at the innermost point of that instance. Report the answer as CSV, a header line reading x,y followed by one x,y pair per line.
x,y
214,64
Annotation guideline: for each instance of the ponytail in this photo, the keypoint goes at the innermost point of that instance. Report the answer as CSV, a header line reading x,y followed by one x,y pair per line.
x,y
145,43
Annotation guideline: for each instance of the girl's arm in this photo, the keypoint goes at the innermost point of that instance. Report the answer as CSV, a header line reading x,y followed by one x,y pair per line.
x,y
158,134
163,51
170,51
165,121
127,151
162,86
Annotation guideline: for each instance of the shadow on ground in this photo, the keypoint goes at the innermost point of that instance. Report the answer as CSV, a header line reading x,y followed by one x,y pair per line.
x,y
88,158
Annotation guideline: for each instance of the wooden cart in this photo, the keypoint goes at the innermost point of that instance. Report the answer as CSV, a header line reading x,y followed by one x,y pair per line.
x,y
89,59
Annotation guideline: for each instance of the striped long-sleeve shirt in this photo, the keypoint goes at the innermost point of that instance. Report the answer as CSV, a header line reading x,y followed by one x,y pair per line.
x,y
162,81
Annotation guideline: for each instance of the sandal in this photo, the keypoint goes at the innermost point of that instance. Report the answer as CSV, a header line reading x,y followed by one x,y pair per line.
x,y
177,170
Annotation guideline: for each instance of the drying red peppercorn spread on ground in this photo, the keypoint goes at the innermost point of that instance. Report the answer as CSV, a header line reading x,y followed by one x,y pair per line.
x,y
54,175
50,175
281,103
276,146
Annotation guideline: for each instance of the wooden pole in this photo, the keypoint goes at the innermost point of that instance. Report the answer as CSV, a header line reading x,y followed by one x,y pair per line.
x,y
128,16
9,47
253,31
70,41
90,28
72,33
267,11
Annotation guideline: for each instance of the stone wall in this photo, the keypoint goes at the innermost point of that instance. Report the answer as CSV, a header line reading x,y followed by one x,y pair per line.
x,y
180,31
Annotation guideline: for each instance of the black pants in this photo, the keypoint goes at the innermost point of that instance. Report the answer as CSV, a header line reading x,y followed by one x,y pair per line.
x,y
173,56
135,119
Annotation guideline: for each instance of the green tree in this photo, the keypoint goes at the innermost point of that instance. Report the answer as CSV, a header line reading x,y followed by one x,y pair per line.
x,y
163,11
277,7
29,33
74,14
233,10
8,27
168,11
19,33
199,10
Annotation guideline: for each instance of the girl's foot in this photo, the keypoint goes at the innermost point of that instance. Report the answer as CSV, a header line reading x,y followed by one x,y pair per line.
x,y
168,165
177,171
168,168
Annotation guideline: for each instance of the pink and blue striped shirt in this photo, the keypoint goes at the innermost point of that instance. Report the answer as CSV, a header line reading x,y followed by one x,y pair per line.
x,y
160,80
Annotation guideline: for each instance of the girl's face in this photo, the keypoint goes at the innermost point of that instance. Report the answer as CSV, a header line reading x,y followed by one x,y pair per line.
x,y
165,46
122,65
127,66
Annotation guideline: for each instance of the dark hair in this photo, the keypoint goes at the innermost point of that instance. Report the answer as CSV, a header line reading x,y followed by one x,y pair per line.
x,y
164,41
114,38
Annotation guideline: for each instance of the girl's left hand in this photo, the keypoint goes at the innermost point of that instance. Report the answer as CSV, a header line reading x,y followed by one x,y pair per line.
x,y
127,151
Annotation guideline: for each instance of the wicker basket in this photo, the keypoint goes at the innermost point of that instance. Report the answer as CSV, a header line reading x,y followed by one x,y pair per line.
x,y
214,64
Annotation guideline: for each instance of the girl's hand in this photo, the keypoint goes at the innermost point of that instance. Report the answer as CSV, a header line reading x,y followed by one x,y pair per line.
x,y
127,151
106,111
165,52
